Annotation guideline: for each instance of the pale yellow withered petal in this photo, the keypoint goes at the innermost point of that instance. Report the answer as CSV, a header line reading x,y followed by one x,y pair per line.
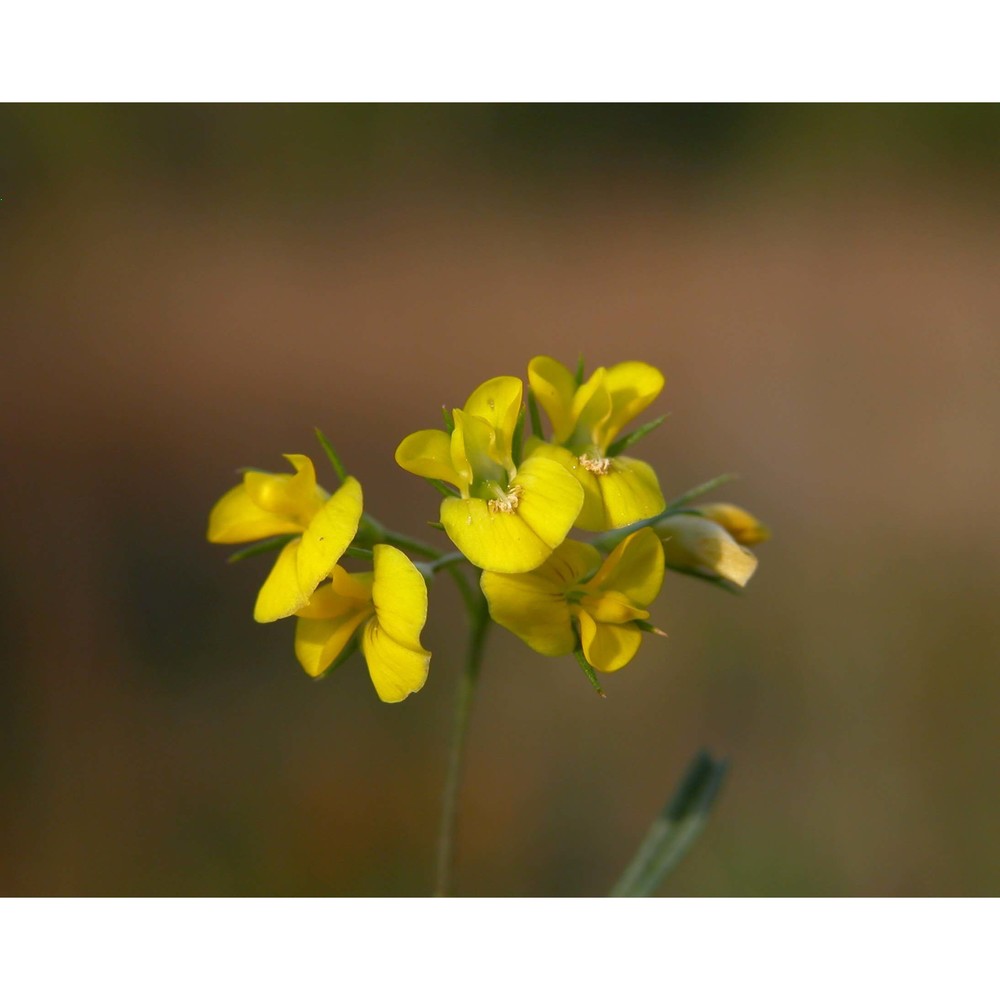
x,y
396,670
740,523
630,492
493,540
550,500
330,532
608,647
632,385
498,402
281,594
428,454
532,607
634,568
699,545
236,518
319,641
554,387
297,497
400,595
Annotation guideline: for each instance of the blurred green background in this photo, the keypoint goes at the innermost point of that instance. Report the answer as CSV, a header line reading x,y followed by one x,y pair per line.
x,y
190,289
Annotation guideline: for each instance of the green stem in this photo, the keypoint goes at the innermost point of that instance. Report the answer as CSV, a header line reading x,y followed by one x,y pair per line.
x,y
479,620
410,544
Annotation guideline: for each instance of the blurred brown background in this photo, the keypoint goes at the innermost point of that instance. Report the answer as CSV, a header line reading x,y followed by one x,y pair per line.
x,y
186,290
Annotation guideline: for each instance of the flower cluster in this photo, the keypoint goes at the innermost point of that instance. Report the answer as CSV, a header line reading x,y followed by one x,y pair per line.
x,y
511,497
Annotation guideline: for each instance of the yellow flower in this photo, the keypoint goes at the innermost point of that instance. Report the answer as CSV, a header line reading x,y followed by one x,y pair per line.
x,y
586,419
506,518
389,604
605,600
698,545
741,524
268,504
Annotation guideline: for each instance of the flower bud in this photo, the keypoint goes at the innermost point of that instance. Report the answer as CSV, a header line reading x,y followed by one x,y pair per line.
x,y
694,544
741,524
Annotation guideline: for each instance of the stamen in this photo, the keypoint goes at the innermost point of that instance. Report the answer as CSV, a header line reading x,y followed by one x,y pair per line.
x,y
505,503
598,466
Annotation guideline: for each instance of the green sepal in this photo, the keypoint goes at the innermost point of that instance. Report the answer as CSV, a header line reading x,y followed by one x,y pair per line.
x,y
675,829
445,489
579,369
267,545
697,491
449,420
338,466
517,442
536,420
589,671
627,440
716,581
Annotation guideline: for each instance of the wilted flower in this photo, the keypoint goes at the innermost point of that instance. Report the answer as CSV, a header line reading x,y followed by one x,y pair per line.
x,y
698,545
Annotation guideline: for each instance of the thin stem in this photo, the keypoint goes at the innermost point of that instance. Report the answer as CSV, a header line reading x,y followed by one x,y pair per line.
x,y
479,621
411,544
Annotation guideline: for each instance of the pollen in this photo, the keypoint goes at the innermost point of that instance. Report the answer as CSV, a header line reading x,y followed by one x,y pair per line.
x,y
506,502
598,466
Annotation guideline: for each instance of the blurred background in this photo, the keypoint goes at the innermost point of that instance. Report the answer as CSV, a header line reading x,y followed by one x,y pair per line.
x,y
191,289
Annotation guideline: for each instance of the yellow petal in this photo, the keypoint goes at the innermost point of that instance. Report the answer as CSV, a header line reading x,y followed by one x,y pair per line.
x,y
569,563
612,607
482,453
459,453
319,641
591,410
554,387
608,647
428,454
400,595
634,568
632,385
395,669
346,594
741,524
591,516
329,534
493,540
550,500
498,402
696,544
281,594
630,492
297,497
236,518
533,607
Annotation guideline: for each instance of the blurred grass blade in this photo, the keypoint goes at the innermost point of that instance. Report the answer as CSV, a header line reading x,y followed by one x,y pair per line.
x,y
675,829
268,545
627,440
